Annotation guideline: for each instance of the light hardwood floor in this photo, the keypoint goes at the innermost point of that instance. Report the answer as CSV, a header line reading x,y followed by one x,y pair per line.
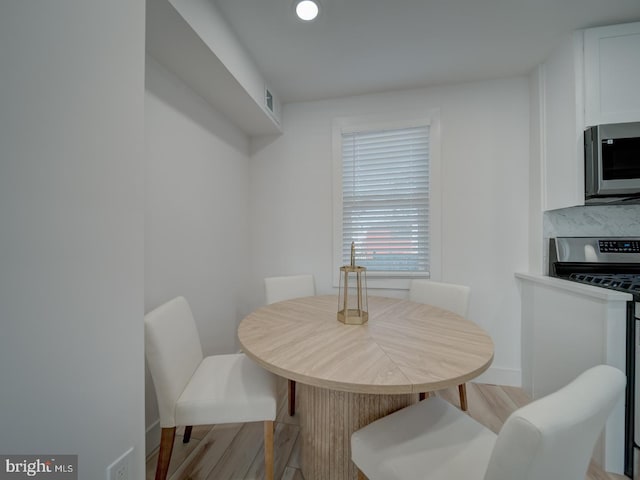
x,y
235,451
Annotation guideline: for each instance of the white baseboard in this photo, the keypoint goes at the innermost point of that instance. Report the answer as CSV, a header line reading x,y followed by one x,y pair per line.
x,y
501,376
152,437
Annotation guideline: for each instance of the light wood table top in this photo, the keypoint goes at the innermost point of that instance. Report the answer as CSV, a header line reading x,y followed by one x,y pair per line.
x,y
406,347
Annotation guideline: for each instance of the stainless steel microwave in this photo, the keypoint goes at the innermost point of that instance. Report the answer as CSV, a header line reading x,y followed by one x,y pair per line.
x,y
612,160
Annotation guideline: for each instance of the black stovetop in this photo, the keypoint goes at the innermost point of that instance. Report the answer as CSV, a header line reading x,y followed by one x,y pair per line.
x,y
622,282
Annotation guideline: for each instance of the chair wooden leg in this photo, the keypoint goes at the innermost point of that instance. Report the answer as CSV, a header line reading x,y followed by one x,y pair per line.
x,y
167,437
268,449
292,398
187,434
462,390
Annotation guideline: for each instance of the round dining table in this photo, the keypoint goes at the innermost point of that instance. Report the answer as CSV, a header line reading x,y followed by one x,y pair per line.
x,y
351,375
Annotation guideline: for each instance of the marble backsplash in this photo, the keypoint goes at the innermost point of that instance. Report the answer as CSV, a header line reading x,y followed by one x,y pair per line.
x,y
593,221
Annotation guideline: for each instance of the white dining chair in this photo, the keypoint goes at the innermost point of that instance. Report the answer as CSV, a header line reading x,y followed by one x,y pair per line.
x,y
447,296
278,289
548,439
197,390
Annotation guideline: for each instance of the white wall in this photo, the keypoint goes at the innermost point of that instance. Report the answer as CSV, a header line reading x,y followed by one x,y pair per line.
x,y
196,213
536,151
485,152
71,236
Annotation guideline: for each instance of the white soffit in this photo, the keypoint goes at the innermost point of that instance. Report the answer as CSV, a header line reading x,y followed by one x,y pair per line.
x,y
173,42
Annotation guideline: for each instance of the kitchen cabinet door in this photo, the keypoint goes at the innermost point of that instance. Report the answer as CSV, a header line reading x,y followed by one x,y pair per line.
x,y
561,145
612,70
567,328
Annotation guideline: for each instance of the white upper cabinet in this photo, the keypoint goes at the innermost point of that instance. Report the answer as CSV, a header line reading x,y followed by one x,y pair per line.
x,y
612,74
560,111
591,78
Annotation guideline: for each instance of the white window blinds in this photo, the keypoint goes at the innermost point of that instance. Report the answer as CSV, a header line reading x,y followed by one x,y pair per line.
x,y
385,203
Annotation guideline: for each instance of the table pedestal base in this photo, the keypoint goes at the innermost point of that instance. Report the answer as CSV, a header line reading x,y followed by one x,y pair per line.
x,y
327,420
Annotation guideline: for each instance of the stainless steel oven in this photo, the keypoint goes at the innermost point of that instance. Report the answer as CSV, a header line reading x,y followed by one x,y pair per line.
x,y
612,263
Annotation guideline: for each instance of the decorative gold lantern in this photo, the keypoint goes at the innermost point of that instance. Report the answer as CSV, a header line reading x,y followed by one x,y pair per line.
x,y
352,301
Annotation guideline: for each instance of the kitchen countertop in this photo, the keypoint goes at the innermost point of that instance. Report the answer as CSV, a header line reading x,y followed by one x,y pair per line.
x,y
575,287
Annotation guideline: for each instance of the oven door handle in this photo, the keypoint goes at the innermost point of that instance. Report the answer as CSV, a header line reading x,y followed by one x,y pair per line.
x,y
630,393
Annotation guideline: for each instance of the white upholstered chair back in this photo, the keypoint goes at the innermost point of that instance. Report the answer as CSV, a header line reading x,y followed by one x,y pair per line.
x,y
448,296
554,437
173,353
550,439
278,289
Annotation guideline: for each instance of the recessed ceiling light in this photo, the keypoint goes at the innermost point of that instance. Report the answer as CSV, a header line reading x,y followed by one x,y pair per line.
x,y
307,10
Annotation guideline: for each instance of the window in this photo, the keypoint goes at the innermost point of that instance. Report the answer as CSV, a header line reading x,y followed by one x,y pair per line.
x,y
383,178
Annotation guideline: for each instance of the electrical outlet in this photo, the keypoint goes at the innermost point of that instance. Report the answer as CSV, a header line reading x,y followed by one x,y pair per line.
x,y
119,469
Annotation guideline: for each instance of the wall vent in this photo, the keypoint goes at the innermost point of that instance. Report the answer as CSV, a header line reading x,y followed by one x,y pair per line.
x,y
268,99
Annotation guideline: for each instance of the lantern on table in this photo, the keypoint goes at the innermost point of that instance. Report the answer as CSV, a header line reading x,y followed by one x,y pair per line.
x,y
352,300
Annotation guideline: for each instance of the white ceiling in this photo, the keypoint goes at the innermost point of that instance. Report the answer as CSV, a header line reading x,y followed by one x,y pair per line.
x,y
365,46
